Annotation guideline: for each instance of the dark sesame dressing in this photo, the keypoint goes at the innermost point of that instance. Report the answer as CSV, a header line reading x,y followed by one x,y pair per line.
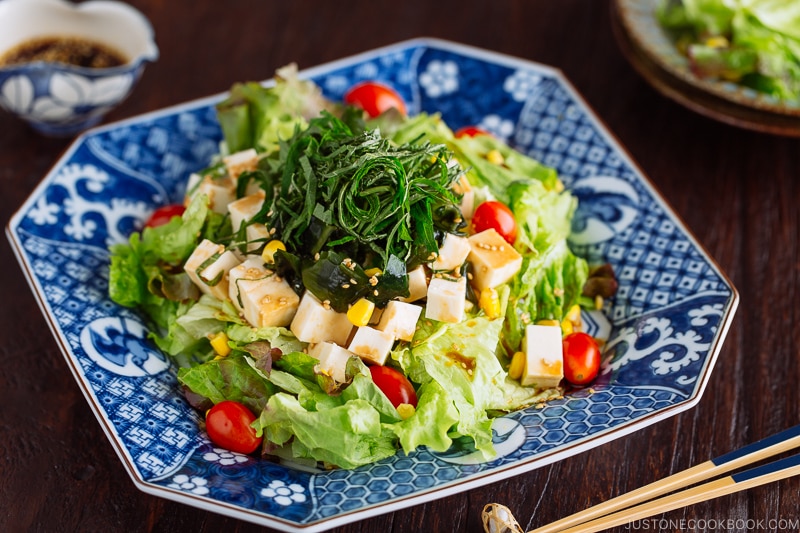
x,y
67,50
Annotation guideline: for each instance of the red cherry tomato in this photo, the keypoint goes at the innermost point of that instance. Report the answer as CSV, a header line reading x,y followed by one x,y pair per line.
x,y
164,214
581,358
497,215
470,131
228,426
394,385
374,98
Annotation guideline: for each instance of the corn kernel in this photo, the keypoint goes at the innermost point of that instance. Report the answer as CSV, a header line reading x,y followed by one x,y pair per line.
x,y
547,322
574,314
517,366
220,344
489,301
567,327
717,41
268,255
494,156
360,312
373,272
598,302
406,410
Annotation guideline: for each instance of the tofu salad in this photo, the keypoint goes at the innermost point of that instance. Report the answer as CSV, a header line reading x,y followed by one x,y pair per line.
x,y
344,280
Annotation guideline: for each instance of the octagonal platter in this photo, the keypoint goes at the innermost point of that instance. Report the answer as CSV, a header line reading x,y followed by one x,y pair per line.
x,y
667,322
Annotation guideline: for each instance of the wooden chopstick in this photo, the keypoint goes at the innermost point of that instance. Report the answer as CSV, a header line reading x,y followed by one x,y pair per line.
x,y
752,453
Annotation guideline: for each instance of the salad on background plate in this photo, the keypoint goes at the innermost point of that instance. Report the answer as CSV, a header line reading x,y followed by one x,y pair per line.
x,y
344,280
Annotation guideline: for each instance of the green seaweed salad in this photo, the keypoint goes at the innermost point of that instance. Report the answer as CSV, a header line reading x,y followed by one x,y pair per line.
x,y
347,194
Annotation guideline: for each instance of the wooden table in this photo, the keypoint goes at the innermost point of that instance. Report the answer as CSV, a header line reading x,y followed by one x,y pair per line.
x,y
736,190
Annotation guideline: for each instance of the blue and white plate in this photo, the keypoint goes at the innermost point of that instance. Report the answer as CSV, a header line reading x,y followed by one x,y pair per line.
x,y
668,320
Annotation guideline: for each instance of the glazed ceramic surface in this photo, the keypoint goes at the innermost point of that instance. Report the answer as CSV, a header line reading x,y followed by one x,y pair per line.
x,y
666,324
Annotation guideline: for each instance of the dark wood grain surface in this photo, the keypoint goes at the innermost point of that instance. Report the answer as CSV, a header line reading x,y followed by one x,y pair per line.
x,y
735,189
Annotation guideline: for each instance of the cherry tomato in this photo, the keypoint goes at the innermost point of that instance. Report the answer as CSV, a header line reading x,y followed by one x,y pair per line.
x,y
164,214
581,358
228,426
497,215
394,385
374,98
470,131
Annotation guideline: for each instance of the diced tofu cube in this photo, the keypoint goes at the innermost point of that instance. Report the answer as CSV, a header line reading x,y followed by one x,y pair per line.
x,y
314,322
208,268
463,187
494,261
257,234
544,366
452,254
220,191
332,359
417,285
399,319
371,345
245,208
240,162
264,298
446,300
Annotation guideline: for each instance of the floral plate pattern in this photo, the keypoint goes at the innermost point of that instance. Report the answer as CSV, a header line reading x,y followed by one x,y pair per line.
x,y
665,326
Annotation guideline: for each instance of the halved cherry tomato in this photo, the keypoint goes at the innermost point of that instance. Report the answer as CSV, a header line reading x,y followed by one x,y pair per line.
x,y
228,426
470,131
164,214
581,358
394,385
374,98
497,215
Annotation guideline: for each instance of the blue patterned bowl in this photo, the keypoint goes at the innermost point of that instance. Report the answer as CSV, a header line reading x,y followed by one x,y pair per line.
x,y
59,99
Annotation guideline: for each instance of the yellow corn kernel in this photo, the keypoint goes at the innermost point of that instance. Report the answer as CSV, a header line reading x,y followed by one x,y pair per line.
x,y
406,410
598,302
220,344
489,301
717,41
574,314
373,272
268,255
559,186
517,366
494,156
547,322
360,312
567,327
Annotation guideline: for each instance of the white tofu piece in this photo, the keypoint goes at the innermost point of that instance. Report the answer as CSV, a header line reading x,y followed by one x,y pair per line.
x,y
256,234
264,298
220,192
245,208
399,319
315,323
417,285
372,345
452,254
211,276
463,187
494,261
446,300
240,162
544,359
332,359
